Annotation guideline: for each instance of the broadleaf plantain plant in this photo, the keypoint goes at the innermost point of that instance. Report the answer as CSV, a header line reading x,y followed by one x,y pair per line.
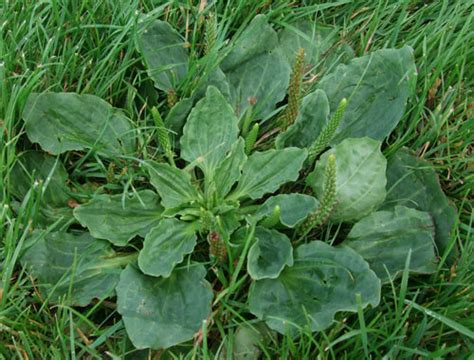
x,y
216,215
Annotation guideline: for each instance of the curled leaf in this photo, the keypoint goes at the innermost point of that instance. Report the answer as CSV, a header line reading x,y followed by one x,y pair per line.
x,y
269,254
294,208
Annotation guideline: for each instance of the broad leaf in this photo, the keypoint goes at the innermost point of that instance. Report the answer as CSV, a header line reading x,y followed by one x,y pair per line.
x,y
269,254
293,208
239,239
377,87
262,80
61,122
35,166
162,312
340,54
230,222
173,184
48,215
229,170
165,246
216,78
62,261
384,239
413,183
210,131
360,178
323,281
119,218
314,38
264,172
165,55
258,37
256,69
312,118
249,339
177,116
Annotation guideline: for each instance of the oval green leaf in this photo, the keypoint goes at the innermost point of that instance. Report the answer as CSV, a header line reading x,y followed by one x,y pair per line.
x,y
293,208
165,246
314,38
173,184
313,117
214,77
385,238
61,122
264,172
119,218
323,281
229,170
262,80
269,254
249,339
258,37
412,182
77,265
360,178
210,131
35,166
377,87
176,118
165,55
159,313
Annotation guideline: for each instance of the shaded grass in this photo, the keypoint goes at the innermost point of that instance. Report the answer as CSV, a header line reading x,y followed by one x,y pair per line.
x,y
89,47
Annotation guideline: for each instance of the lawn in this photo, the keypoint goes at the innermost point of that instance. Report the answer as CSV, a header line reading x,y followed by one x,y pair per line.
x,y
92,47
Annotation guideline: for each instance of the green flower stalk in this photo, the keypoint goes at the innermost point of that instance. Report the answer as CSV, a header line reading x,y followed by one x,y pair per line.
x,y
217,248
163,136
210,35
294,93
327,134
251,138
172,98
328,200
248,116
111,172
213,226
207,220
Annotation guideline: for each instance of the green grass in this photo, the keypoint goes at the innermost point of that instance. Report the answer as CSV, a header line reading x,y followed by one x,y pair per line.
x,y
89,47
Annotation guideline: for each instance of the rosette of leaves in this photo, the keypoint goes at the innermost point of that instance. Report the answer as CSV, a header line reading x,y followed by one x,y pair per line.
x,y
191,204
196,207
221,203
203,201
